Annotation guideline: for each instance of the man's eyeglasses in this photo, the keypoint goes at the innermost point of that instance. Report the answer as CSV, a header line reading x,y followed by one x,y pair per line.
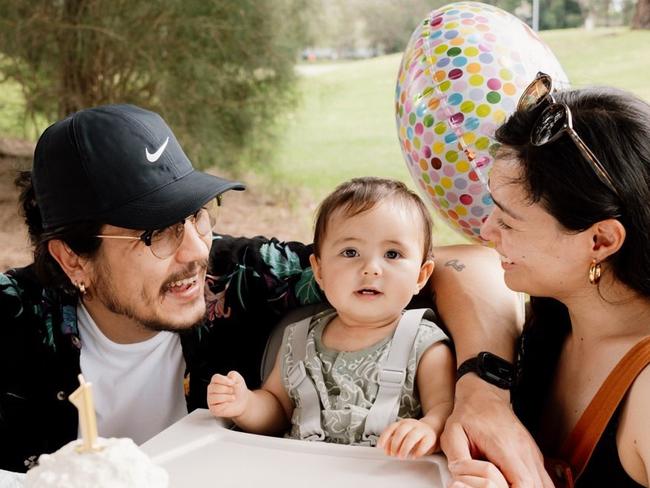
x,y
164,242
554,121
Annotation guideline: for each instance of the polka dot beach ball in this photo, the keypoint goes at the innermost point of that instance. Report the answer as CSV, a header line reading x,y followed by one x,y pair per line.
x,y
462,73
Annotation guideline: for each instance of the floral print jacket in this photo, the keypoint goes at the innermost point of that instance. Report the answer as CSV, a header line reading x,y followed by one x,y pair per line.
x,y
251,283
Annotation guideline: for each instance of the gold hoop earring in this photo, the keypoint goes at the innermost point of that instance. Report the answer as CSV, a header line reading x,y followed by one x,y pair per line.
x,y
82,287
594,272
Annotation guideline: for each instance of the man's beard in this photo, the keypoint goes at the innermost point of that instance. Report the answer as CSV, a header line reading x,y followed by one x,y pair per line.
x,y
104,291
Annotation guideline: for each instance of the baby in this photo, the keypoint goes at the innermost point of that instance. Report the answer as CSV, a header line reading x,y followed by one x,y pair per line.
x,y
365,372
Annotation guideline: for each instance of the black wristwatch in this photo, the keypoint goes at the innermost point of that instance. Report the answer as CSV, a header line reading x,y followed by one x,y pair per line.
x,y
489,367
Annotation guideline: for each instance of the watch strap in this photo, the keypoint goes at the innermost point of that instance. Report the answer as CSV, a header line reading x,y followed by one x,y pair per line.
x,y
489,367
468,366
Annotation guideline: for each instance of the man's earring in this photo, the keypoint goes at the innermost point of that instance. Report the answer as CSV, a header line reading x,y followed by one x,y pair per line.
x,y
81,287
594,272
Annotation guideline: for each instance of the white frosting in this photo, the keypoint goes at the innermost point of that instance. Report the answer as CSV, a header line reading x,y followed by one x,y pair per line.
x,y
119,464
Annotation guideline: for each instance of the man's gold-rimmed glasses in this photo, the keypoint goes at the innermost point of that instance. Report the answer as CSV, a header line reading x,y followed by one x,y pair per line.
x,y
164,242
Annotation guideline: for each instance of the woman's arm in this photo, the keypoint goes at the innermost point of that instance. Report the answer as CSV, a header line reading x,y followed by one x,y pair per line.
x,y
482,314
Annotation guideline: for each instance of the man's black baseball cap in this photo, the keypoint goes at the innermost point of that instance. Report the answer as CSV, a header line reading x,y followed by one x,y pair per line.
x,y
119,165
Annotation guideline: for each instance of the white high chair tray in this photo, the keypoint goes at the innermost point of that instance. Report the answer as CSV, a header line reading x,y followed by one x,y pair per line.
x,y
199,451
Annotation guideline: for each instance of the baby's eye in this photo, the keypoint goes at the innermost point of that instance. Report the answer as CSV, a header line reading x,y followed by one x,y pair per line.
x,y
349,253
392,254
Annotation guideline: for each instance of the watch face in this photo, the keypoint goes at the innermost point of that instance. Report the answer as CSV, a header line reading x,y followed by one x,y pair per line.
x,y
495,369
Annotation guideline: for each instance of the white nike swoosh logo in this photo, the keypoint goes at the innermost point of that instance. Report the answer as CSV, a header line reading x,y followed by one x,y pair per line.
x,y
152,158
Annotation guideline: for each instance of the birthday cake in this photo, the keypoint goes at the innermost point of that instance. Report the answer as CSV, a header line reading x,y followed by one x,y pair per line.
x,y
116,463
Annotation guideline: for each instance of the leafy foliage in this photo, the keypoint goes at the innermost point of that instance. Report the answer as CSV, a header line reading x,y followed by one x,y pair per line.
x,y
385,25
218,71
560,14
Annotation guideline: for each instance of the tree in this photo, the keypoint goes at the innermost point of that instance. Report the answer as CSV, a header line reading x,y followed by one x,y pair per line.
x,y
560,14
385,25
218,71
641,19
389,24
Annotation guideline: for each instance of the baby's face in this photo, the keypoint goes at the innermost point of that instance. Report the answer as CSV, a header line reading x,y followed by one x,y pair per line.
x,y
371,264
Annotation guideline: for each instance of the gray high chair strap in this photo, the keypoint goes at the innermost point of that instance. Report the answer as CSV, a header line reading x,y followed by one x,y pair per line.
x,y
310,425
392,375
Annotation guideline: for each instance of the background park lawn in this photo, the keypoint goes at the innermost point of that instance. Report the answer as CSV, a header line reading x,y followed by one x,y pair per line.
x,y
345,124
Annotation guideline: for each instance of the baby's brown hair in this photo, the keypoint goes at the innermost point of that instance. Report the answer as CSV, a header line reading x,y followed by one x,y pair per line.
x,y
360,194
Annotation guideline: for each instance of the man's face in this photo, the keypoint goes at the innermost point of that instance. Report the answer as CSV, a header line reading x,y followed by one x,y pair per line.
x,y
133,293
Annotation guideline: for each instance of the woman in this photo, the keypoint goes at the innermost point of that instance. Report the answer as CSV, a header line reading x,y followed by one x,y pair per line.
x,y
571,187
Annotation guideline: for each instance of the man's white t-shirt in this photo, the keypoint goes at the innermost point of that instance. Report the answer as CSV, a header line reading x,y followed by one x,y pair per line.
x,y
137,388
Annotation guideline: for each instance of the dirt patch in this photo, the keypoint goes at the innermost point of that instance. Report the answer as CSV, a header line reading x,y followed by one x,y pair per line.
x,y
286,215
273,212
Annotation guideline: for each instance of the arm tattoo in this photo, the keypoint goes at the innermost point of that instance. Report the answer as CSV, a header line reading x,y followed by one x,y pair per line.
x,y
456,264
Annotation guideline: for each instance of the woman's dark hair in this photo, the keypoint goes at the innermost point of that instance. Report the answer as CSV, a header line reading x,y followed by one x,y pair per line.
x,y
615,125
79,236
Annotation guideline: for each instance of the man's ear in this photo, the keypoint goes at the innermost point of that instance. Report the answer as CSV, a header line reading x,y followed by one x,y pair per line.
x,y
608,237
425,273
71,263
315,266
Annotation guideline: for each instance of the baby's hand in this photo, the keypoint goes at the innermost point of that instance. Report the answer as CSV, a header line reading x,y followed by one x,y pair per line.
x,y
228,395
408,438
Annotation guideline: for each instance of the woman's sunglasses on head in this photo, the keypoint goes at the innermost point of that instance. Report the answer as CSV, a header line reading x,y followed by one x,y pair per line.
x,y
556,120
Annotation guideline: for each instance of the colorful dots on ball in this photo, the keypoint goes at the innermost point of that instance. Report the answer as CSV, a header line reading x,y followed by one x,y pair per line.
x,y
461,75
494,84
460,61
455,74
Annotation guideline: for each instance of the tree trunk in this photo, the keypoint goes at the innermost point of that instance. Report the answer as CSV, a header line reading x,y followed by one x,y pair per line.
x,y
641,19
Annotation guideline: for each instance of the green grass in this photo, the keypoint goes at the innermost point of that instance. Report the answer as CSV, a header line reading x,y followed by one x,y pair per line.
x,y
617,57
345,126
